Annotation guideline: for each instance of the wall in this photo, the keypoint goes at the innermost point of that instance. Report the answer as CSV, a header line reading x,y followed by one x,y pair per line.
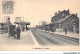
x,y
68,22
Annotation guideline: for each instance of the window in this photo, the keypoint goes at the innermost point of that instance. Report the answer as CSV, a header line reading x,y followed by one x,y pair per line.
x,y
63,15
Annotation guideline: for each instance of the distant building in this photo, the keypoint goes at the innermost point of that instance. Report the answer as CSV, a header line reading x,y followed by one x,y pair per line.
x,y
23,25
4,26
18,19
64,19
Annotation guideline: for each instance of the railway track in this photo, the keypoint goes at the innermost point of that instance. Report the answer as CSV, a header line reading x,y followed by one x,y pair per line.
x,y
45,38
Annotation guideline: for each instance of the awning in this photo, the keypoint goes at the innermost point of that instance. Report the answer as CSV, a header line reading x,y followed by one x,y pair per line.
x,y
22,23
50,24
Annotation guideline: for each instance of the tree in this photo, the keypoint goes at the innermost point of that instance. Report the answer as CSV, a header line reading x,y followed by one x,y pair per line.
x,y
43,23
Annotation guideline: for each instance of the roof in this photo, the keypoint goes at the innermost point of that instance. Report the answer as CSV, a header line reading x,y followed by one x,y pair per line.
x,y
8,23
22,23
62,20
59,13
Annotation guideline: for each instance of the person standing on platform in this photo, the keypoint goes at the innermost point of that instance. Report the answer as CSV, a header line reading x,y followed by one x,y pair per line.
x,y
65,30
18,32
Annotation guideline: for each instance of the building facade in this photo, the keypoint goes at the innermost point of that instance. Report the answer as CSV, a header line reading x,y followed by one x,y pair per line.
x,y
63,19
4,26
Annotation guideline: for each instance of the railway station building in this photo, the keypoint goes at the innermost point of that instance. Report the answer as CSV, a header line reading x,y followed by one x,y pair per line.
x,y
64,19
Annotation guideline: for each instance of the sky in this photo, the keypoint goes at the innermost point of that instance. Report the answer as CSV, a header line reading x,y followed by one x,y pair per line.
x,y
36,11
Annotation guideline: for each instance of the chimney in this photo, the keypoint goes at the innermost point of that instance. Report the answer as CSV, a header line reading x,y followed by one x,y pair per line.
x,y
55,13
76,14
68,10
59,11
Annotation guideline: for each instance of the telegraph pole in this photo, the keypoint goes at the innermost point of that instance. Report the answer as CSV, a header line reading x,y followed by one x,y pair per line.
x,y
26,19
23,18
2,19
